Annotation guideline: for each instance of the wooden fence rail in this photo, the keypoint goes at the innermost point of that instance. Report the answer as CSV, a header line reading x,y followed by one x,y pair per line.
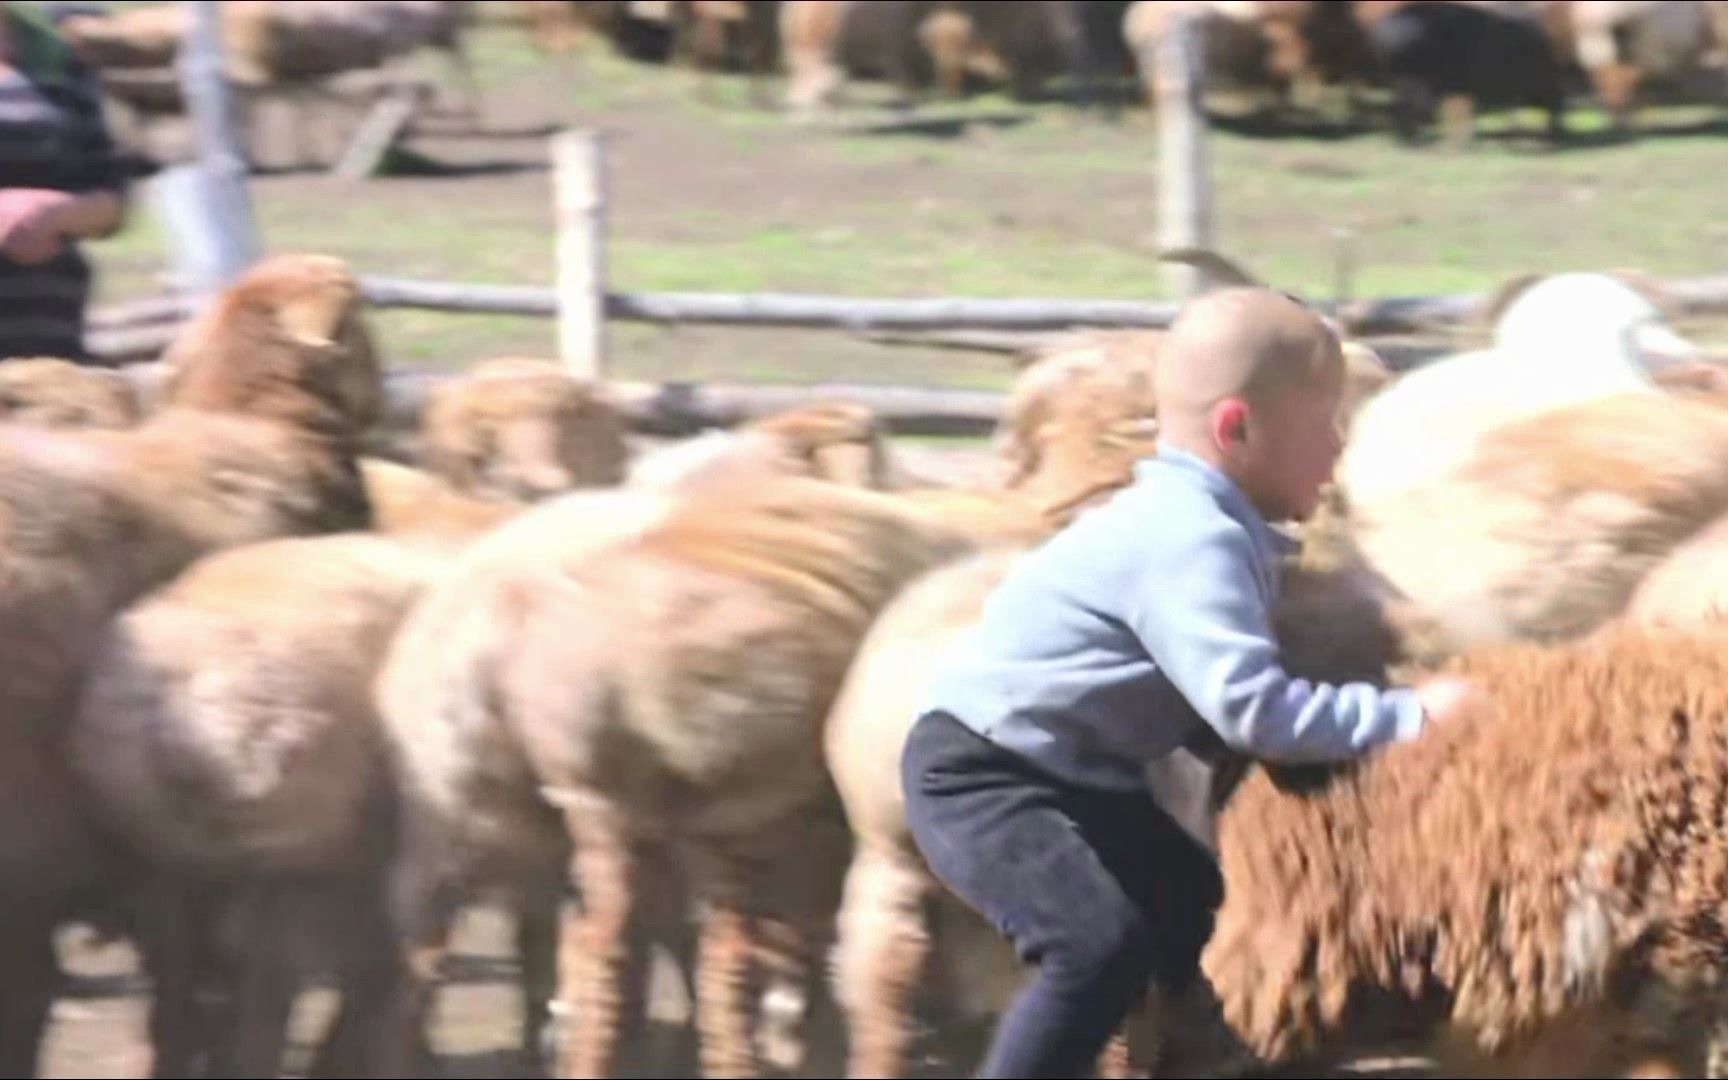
x,y
1368,317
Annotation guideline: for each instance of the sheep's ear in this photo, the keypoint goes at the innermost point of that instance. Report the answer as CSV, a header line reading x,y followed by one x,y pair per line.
x,y
1502,298
313,318
1218,269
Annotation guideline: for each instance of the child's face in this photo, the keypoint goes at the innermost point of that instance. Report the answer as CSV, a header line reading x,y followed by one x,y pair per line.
x,y
1294,442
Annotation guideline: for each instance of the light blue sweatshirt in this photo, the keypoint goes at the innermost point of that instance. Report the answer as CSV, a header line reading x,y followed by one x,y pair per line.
x,y
1107,647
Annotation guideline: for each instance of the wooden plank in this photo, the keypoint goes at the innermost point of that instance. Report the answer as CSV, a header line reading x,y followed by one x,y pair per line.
x,y
1368,316
379,132
674,409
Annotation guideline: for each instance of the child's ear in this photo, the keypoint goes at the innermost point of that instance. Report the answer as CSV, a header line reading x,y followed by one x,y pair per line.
x,y
1230,422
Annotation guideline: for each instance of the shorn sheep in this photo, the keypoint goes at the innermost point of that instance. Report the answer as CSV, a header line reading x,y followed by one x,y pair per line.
x,y
269,389
832,440
52,392
1552,521
522,428
1561,340
227,738
561,699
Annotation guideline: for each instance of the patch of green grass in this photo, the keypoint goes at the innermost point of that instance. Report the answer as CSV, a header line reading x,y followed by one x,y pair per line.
x,y
995,199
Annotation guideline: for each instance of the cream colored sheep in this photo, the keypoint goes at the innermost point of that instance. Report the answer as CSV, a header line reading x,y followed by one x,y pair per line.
x,y
665,688
836,441
520,428
59,393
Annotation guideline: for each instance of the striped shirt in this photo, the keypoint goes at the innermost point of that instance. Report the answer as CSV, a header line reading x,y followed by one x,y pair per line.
x,y
52,135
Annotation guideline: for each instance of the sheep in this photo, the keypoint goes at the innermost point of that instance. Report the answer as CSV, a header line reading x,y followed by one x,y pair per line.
x,y
1624,43
227,737
600,701
1563,339
318,611
1552,521
268,389
1686,588
1582,369
1569,929
269,45
521,428
49,391
1083,407
834,440
224,742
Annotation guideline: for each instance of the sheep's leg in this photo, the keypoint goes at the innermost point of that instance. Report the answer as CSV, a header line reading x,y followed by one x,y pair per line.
x,y
367,980
760,45
725,992
599,959
170,957
30,972
1457,113
467,82
885,946
537,952
421,907
263,985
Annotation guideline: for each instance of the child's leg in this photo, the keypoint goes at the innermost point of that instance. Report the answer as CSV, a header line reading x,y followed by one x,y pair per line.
x,y
1035,856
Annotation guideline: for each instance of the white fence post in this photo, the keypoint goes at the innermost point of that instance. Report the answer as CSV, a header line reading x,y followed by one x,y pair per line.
x,y
1184,169
206,205
579,199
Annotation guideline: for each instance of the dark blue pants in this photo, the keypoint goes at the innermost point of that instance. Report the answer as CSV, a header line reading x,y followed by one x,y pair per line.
x,y
1101,890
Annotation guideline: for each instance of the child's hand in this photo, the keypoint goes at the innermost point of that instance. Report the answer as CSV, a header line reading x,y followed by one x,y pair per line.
x,y
1447,698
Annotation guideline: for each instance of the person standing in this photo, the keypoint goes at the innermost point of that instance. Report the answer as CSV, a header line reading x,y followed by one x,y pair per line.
x,y
62,181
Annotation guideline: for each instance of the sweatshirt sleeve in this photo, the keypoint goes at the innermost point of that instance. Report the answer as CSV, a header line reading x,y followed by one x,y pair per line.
x,y
1199,613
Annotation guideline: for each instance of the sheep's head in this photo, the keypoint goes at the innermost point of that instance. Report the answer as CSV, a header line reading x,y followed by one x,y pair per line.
x,y
1079,416
523,429
836,441
1537,313
59,393
287,341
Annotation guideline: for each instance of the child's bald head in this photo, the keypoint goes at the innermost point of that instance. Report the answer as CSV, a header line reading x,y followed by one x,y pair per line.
x,y
1246,342
1251,380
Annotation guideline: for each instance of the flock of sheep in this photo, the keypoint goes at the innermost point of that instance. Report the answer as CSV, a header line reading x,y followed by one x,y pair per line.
x,y
1457,57
278,708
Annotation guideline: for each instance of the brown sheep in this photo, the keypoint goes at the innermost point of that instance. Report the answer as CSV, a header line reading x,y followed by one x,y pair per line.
x,y
270,386
1627,45
412,502
228,735
225,740
59,393
517,428
1531,891
1082,412
666,688
835,441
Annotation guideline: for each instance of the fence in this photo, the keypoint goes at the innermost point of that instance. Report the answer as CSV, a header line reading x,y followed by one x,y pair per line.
x,y
582,303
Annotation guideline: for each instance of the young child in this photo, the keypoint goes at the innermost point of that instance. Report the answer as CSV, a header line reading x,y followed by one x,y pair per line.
x,y
1134,630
